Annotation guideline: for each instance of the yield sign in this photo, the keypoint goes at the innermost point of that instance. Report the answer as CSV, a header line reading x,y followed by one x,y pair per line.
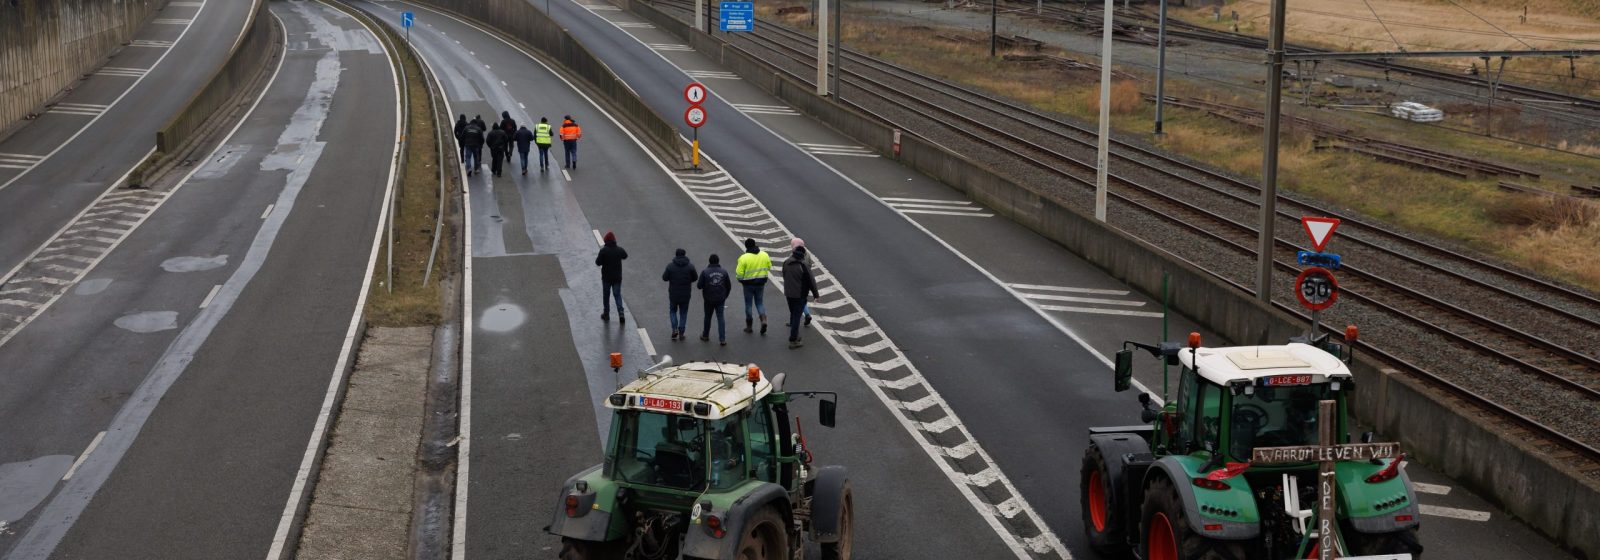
x,y
1320,230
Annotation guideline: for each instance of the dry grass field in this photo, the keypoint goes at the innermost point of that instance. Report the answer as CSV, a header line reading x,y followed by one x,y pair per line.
x,y
1474,212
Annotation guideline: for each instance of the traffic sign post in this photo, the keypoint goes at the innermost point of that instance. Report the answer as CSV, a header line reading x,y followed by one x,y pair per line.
x,y
1320,230
695,116
695,94
1316,287
406,19
738,16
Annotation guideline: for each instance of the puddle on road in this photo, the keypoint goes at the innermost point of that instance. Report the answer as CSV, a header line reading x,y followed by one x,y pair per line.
x,y
24,485
149,321
502,318
92,287
193,264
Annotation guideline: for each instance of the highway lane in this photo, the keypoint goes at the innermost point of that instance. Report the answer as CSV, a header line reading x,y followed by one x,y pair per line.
x,y
1042,440
539,350
194,358
56,165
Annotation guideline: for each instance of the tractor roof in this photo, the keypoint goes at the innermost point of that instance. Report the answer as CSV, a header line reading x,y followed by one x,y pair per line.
x,y
1253,363
724,388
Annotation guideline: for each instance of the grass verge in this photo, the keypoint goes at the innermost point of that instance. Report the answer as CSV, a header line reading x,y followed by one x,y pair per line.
x,y
407,302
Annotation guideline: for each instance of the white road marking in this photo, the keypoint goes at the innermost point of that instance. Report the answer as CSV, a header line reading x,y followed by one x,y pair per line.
x,y
632,24
85,455
1453,513
210,295
598,240
264,213
170,21
122,71
1068,289
892,200
1437,489
905,205
1075,299
669,47
649,348
567,175
1065,309
943,213
504,84
521,106
143,43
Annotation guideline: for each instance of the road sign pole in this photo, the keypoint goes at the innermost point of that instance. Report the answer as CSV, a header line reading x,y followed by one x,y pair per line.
x,y
695,161
822,48
1161,65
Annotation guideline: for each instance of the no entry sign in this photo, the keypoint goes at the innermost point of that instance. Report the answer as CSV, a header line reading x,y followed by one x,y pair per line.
x,y
1316,288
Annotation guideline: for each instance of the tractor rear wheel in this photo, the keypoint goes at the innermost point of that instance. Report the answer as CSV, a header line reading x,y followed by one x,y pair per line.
x,y
1403,541
1101,524
1165,532
765,537
841,549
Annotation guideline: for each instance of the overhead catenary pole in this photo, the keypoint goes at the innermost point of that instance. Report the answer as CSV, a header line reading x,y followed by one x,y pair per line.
x,y
822,48
1102,159
700,15
1269,163
838,38
994,27
1161,66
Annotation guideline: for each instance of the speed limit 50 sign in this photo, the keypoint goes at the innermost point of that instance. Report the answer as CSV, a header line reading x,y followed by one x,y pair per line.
x,y
1316,288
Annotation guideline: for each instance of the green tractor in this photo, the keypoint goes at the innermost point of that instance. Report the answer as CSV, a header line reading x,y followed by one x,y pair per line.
x,y
1184,487
704,462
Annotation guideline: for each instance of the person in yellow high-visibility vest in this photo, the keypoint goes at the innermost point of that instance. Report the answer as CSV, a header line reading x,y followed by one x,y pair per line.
x,y
542,138
752,270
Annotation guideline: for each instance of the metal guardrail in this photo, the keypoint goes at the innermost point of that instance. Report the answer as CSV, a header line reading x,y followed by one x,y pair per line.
x,y
523,22
246,60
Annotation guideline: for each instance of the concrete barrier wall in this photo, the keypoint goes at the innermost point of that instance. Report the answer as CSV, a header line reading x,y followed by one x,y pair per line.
x,y
46,45
1552,498
244,63
522,22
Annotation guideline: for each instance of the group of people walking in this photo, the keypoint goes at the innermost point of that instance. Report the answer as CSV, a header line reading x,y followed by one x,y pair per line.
x,y
473,135
751,271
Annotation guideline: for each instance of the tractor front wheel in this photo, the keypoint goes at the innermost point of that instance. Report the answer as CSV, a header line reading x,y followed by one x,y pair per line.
x,y
841,549
1403,541
765,537
1100,521
1165,532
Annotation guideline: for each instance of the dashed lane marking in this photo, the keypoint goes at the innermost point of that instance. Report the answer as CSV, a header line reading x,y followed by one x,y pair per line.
x,y
85,455
1453,513
1436,489
210,295
644,337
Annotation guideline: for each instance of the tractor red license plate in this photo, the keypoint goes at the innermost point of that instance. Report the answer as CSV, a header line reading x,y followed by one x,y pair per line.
x,y
1277,380
658,403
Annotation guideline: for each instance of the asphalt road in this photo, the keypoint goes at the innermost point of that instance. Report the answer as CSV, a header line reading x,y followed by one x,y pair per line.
x,y
194,358
53,166
974,303
539,349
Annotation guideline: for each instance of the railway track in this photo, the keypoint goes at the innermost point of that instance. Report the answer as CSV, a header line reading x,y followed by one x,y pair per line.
x,y
1538,351
1092,19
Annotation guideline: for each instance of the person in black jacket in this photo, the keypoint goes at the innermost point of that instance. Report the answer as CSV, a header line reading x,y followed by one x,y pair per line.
x,y
497,149
461,135
472,140
797,281
610,262
680,277
508,124
524,139
715,284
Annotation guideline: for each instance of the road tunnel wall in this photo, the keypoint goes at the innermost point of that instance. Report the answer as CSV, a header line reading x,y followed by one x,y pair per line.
x,y
46,45
532,27
1486,458
227,86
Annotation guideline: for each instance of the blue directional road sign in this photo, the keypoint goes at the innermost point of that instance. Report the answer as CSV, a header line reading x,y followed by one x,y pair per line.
x,y
738,16
1329,261
406,18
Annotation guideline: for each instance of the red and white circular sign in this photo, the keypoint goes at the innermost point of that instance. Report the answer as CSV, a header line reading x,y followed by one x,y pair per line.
x,y
1316,288
695,116
695,94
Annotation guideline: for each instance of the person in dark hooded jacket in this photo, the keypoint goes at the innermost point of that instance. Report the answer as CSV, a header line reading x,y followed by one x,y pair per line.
x,y
461,135
797,281
715,284
507,123
610,262
680,277
498,141
472,141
